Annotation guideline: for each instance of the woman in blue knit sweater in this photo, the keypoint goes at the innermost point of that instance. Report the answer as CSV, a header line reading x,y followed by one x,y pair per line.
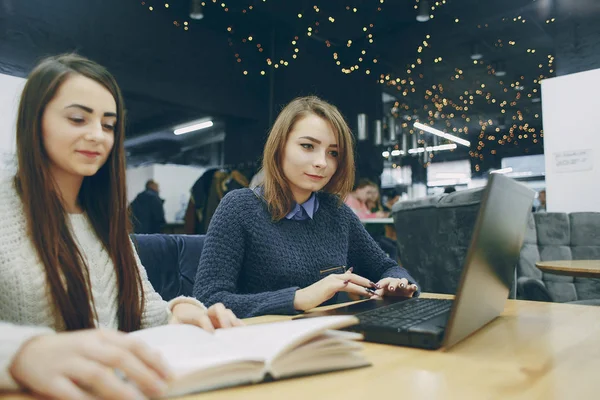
x,y
292,244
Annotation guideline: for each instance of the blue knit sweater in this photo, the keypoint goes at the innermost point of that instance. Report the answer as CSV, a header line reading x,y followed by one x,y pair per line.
x,y
254,265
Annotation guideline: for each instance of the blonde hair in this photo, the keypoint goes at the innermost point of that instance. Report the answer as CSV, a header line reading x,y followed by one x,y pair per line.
x,y
276,189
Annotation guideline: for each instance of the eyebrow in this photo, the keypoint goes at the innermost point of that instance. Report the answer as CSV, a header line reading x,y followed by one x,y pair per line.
x,y
89,110
317,141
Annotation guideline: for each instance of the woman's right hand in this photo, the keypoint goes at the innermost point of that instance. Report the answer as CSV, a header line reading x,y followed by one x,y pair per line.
x,y
83,364
326,288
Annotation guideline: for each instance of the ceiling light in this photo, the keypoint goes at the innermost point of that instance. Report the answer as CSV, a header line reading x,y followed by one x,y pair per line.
x,y
502,171
475,52
196,10
500,69
423,15
193,127
445,135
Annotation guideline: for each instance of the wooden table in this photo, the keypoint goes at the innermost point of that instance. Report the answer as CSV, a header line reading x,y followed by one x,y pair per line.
x,y
579,268
534,350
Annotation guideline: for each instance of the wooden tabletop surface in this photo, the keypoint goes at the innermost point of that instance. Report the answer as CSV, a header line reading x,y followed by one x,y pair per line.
x,y
534,350
580,268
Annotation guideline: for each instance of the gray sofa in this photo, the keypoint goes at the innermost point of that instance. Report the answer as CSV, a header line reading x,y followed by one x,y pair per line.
x,y
434,234
559,236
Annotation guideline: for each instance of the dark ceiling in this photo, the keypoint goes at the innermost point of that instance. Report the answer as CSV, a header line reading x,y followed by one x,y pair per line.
x,y
174,69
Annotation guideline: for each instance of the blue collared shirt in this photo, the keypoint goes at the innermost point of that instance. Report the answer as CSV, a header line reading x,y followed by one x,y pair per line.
x,y
304,211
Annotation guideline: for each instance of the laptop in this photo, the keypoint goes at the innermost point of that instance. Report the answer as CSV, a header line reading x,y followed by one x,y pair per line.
x,y
483,289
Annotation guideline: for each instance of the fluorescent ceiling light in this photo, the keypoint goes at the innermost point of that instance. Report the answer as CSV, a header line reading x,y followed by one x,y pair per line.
x,y
450,146
193,127
445,135
520,174
501,171
196,10
423,15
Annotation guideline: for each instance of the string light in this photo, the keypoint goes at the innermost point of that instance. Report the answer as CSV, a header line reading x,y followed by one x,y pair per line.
x,y
440,108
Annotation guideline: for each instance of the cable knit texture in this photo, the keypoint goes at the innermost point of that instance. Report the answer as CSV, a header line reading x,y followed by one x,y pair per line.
x,y
254,265
26,309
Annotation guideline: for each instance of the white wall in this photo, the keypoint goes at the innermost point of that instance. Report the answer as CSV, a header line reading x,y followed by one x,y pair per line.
x,y
10,92
449,173
136,180
175,182
572,141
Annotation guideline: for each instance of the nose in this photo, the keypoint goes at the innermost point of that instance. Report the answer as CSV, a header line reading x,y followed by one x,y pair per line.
x,y
95,133
320,160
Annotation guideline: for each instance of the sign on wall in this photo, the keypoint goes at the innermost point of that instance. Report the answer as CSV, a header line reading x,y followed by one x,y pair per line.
x,y
573,160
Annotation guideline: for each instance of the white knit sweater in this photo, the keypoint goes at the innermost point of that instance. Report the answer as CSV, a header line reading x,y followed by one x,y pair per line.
x,y
25,304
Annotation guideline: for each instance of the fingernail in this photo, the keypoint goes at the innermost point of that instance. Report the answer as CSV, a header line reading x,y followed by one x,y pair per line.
x,y
346,281
378,286
350,269
402,285
373,284
392,288
370,291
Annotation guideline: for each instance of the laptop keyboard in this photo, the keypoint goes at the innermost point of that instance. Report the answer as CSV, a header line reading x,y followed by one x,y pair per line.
x,y
403,315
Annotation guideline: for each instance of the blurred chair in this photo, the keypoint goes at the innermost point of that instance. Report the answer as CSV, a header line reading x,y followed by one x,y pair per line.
x,y
559,236
171,261
434,234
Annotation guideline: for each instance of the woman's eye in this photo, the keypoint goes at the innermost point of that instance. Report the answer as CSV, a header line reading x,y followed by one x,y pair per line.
x,y
77,120
334,153
307,146
109,127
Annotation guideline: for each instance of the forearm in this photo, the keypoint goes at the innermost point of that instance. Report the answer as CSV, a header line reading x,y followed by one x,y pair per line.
x,y
279,302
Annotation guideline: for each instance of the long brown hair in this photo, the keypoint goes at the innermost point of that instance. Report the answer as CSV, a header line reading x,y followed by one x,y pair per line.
x,y
276,189
102,197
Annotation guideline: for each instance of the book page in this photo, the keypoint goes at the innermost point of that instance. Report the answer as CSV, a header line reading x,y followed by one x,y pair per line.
x,y
187,347
267,341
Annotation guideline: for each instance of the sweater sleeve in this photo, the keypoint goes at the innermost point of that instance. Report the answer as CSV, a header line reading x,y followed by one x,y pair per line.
x,y
367,258
12,337
155,311
222,260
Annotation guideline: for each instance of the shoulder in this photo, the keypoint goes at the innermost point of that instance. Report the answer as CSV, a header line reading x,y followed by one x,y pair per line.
x,y
7,184
8,193
11,212
242,197
241,201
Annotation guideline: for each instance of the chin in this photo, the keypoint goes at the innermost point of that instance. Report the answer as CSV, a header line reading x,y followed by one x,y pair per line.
x,y
87,171
315,187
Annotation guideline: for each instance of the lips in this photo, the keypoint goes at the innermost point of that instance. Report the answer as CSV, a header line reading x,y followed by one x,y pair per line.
x,y
90,154
315,177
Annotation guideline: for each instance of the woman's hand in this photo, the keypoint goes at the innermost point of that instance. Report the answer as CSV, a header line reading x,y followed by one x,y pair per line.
x,y
326,288
216,316
395,287
83,365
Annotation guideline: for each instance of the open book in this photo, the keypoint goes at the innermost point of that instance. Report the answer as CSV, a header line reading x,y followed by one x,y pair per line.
x,y
204,361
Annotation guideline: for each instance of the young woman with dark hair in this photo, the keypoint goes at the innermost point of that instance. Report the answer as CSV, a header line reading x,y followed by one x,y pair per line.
x,y
66,260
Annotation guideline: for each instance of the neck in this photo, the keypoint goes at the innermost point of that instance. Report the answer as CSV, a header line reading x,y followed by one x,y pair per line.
x,y
301,198
68,187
